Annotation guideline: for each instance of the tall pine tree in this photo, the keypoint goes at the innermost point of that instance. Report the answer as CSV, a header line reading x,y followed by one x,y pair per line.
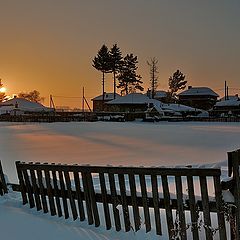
x,y
102,62
116,63
128,79
176,82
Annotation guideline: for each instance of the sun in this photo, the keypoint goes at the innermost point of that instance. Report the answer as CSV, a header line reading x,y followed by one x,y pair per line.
x,y
3,90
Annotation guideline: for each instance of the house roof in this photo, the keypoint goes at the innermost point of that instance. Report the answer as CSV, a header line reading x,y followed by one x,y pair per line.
x,y
198,91
160,94
23,105
133,98
232,102
107,97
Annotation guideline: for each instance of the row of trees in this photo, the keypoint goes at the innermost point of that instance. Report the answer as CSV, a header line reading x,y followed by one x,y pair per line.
x,y
124,69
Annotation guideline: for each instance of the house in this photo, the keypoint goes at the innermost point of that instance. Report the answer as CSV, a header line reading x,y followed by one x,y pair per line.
x,y
198,97
227,107
20,106
100,105
159,95
133,102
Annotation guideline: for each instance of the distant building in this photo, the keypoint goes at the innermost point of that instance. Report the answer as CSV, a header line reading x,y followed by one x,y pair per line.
x,y
227,107
198,97
133,102
159,95
99,105
20,106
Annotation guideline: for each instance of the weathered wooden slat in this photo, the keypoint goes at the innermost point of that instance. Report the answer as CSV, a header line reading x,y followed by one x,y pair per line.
x,y
21,183
35,190
63,193
93,199
79,197
193,209
167,206
147,219
42,192
115,201
180,211
235,164
50,193
156,204
125,209
129,170
87,198
206,210
220,210
56,193
71,199
2,180
136,215
29,188
105,201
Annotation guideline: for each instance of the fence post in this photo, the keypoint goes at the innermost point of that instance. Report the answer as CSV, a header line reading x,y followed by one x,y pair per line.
x,y
3,185
234,162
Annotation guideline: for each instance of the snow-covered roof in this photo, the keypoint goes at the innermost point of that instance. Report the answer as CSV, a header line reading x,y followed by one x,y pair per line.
x,y
23,105
160,94
235,97
228,103
133,98
179,107
107,97
200,91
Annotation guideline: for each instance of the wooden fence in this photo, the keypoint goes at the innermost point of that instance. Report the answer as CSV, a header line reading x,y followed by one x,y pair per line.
x,y
3,186
76,191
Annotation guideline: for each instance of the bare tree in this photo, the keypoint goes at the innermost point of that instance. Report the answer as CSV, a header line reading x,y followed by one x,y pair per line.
x,y
153,71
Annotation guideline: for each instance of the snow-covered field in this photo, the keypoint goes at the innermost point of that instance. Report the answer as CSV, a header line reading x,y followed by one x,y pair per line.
x,y
102,143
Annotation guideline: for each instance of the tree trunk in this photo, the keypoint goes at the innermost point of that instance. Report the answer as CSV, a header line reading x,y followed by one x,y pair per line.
x,y
114,84
103,93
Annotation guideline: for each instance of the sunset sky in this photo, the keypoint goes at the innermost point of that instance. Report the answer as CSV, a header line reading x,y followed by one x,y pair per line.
x,y
48,45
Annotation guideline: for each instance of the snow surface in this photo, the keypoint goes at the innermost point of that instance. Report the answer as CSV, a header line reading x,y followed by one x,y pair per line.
x,y
102,143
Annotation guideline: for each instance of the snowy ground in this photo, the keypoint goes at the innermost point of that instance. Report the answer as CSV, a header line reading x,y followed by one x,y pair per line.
x,y
101,143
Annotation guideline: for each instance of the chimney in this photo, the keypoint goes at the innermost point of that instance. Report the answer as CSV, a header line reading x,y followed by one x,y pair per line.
x,y
189,87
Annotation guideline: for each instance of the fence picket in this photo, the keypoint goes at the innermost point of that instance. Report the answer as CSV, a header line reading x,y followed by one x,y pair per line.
x,y
79,196
105,201
115,202
206,210
42,192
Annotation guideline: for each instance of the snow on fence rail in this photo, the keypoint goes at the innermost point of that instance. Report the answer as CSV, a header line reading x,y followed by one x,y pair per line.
x,y
80,189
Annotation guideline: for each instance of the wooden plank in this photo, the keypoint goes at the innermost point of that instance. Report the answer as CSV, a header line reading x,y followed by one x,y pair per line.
x,y
132,170
206,210
2,180
193,209
35,190
105,201
63,194
87,198
156,204
115,201
167,206
56,193
71,199
79,196
136,215
42,192
21,183
93,199
29,188
236,179
50,193
220,210
147,219
125,209
180,211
